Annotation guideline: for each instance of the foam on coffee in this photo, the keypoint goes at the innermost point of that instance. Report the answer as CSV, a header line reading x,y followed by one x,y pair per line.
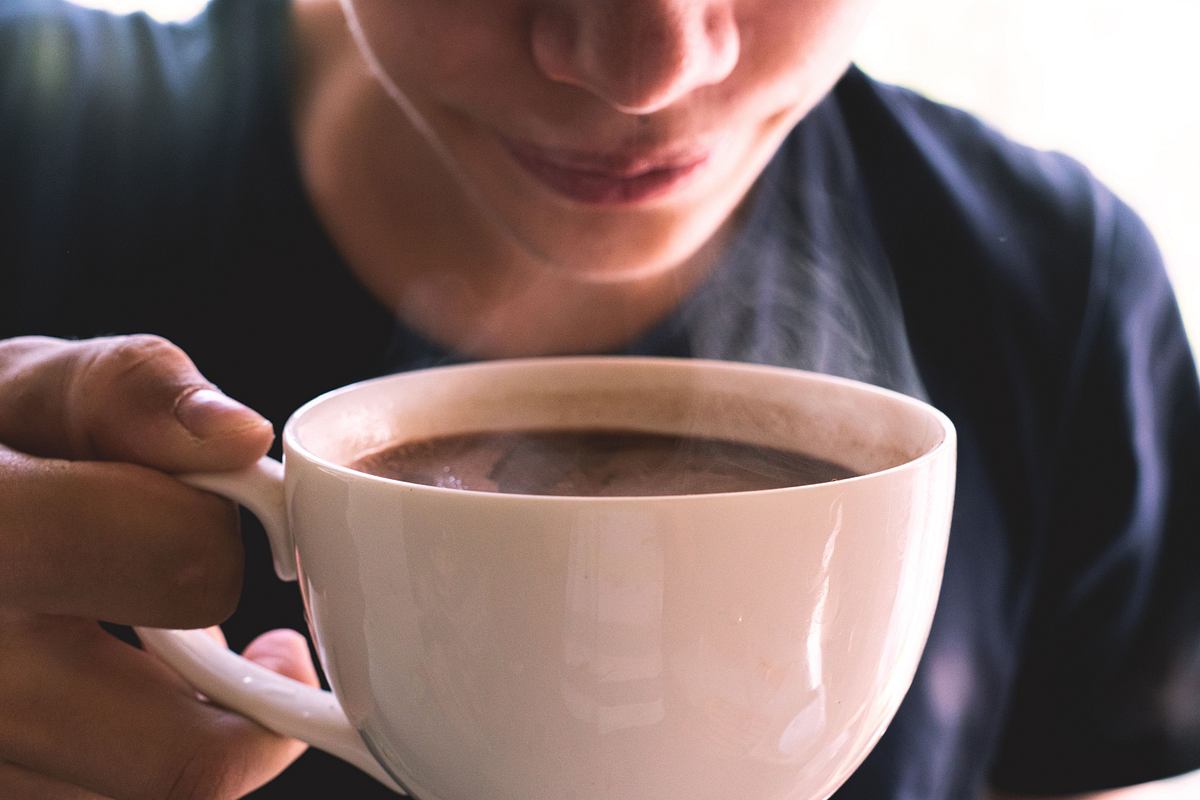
x,y
594,463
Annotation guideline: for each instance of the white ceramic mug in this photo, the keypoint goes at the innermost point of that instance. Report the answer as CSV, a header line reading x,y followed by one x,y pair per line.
x,y
509,647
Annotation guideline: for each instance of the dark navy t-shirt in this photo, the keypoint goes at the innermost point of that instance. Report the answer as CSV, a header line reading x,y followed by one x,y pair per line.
x,y
149,183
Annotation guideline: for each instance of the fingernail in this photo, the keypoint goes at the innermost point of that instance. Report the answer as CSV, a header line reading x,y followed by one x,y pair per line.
x,y
207,414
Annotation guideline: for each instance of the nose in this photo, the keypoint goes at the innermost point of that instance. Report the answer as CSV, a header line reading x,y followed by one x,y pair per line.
x,y
639,56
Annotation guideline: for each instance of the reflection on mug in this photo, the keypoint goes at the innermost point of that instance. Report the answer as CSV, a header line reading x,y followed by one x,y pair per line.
x,y
612,636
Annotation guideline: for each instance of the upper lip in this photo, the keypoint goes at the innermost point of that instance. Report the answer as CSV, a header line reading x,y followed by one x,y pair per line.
x,y
619,163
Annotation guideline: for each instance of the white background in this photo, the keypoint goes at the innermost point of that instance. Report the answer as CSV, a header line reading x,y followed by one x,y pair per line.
x,y
1111,82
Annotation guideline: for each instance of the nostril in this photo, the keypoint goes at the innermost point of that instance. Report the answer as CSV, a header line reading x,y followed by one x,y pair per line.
x,y
716,23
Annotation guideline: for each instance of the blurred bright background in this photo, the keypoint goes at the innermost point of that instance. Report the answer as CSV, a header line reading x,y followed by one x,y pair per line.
x,y
1109,81
163,9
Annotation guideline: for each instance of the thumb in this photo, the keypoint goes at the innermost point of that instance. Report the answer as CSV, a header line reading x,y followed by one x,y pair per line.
x,y
284,651
138,399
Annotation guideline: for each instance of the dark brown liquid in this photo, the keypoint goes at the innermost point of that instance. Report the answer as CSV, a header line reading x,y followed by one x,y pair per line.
x,y
595,463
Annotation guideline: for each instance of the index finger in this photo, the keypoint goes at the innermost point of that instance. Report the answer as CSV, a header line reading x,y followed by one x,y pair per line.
x,y
130,398
116,542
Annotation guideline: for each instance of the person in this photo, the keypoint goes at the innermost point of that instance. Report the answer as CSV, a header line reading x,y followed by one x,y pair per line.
x,y
284,196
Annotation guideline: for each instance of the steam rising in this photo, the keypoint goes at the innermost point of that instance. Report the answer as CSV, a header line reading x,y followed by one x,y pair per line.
x,y
805,284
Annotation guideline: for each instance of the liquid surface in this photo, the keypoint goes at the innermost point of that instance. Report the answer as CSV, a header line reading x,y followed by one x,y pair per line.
x,y
595,463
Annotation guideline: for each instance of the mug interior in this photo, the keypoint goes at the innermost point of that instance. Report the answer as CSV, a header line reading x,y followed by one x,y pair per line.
x,y
862,427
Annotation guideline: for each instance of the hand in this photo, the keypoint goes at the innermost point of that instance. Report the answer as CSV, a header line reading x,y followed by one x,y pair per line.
x,y
92,528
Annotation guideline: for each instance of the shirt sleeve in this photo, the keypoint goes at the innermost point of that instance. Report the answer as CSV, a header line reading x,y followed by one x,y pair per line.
x,y
1108,690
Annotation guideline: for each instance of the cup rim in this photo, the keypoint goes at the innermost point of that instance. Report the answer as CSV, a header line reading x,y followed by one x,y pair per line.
x,y
293,447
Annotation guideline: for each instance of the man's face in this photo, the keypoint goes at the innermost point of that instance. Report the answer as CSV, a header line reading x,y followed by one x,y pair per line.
x,y
611,138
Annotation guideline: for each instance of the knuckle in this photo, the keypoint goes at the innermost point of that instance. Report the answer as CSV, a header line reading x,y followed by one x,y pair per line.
x,y
126,356
21,348
122,378
35,372
132,363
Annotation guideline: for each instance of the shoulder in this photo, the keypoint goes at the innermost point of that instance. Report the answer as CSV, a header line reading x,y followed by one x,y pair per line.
x,y
1021,276
955,145
947,157
1035,231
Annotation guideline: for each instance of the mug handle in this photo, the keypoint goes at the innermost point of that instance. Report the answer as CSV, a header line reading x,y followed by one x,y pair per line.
x,y
276,702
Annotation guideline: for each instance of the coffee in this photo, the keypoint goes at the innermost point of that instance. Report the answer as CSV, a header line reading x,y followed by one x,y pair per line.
x,y
595,463
651,648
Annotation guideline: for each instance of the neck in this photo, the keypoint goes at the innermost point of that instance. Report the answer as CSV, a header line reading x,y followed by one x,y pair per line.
x,y
412,236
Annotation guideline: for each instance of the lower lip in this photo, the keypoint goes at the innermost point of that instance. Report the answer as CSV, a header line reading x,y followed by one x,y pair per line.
x,y
598,188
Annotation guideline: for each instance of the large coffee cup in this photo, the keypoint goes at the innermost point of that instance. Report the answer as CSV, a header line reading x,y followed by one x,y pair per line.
x,y
751,644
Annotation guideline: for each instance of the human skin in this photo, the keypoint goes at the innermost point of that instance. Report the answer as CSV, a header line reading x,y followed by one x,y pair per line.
x,y
93,528
437,217
449,231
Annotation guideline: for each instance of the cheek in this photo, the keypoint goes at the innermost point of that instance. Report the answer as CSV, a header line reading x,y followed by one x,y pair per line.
x,y
795,48
444,46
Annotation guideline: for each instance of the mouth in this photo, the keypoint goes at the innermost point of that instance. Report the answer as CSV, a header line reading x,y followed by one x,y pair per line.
x,y
610,178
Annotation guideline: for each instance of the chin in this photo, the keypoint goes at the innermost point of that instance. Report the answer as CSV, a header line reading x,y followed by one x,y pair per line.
x,y
609,255
612,274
